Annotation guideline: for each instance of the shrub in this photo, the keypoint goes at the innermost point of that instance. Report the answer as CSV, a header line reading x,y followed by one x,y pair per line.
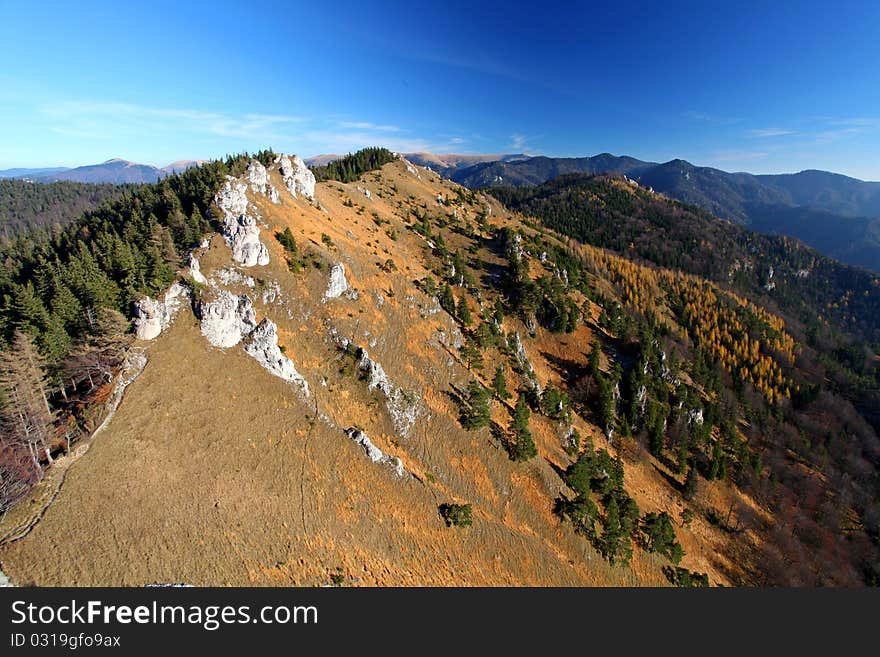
x,y
456,515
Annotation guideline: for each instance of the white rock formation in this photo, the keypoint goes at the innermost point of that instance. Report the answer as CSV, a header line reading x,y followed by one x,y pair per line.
x,y
233,276
375,454
195,272
240,229
524,362
297,176
227,319
152,316
263,347
258,179
338,284
695,416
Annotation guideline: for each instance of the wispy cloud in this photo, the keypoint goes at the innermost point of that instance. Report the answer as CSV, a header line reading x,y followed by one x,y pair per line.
x,y
108,120
518,142
710,118
366,125
859,122
770,132
99,117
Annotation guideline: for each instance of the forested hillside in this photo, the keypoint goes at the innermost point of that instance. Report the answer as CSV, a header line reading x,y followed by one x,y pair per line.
x,y
604,373
66,296
784,330
26,206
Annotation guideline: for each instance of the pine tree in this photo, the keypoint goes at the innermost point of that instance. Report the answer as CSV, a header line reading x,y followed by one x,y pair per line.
x,y
524,447
521,413
477,414
611,535
472,354
593,360
447,301
499,385
463,311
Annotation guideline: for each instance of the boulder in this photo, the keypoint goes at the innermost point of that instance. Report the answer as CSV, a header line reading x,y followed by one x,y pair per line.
x,y
227,319
296,175
338,284
152,316
195,272
263,347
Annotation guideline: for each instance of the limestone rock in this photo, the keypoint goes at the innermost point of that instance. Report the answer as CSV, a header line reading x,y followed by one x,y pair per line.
x,y
263,347
240,228
297,176
152,316
227,319
338,284
258,179
195,272
403,408
375,454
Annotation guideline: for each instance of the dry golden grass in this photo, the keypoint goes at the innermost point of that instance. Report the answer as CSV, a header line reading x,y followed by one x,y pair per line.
x,y
213,472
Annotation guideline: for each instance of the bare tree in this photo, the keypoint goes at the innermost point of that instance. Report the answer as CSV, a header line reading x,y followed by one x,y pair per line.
x,y
27,417
100,354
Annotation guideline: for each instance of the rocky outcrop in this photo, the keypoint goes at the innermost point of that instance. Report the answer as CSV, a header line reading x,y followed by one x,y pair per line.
x,y
525,364
263,347
375,454
338,284
296,175
152,316
230,276
258,179
227,319
403,408
240,228
195,272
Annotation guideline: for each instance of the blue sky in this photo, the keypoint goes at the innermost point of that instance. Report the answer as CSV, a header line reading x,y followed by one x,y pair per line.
x,y
761,87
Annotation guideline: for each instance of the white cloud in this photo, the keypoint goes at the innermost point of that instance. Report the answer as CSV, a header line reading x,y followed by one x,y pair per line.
x,y
518,142
113,118
770,132
710,118
366,125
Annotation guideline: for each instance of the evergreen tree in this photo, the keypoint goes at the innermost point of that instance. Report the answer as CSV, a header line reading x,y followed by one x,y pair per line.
x,y
524,447
463,311
499,385
477,414
447,301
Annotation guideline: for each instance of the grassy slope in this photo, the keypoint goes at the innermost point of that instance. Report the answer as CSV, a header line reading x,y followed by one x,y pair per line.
x,y
214,472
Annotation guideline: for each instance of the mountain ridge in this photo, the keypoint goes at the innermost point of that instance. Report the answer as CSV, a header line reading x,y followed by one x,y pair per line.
x,y
815,206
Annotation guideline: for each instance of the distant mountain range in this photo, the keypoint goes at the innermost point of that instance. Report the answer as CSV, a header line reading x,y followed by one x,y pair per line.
x,y
836,214
115,171
444,164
